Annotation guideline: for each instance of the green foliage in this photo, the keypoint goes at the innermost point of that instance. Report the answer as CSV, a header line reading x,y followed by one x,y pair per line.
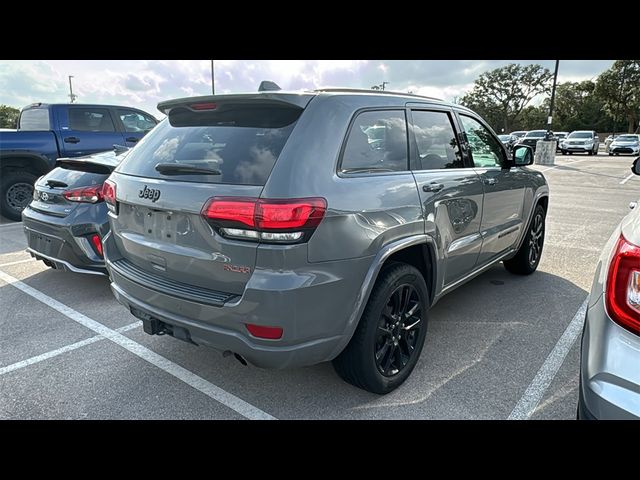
x,y
619,90
501,95
8,116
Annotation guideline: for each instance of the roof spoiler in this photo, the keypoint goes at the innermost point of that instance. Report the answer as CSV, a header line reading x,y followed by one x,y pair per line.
x,y
268,86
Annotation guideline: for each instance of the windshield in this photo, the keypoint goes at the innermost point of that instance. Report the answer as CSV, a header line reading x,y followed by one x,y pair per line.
x,y
580,135
627,138
536,134
504,138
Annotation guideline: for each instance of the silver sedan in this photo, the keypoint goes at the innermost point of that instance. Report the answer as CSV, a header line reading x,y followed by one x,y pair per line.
x,y
610,355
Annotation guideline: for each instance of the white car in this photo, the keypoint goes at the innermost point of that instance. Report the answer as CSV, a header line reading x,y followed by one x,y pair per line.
x,y
625,144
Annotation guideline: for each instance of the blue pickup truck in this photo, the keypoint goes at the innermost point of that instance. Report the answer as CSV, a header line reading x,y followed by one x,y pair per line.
x,y
47,132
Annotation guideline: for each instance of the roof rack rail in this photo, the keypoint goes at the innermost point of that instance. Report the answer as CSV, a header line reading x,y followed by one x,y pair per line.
x,y
365,90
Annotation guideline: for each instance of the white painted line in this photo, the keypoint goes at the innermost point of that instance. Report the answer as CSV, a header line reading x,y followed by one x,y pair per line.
x,y
534,393
4,225
61,350
235,403
622,182
564,164
8,264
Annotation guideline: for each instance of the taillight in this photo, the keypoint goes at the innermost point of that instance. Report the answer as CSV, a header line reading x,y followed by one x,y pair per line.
x,y
204,106
623,286
92,194
272,221
97,243
109,194
261,331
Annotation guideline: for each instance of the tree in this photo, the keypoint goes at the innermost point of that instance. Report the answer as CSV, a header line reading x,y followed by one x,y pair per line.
x,y
578,108
501,95
619,89
8,116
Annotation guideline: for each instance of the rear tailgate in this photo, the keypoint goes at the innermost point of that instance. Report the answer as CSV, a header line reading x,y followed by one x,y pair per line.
x,y
159,228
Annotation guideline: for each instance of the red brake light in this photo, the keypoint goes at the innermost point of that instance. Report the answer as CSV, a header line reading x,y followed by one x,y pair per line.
x,y
268,220
97,243
231,209
622,294
92,194
109,194
260,331
290,214
204,106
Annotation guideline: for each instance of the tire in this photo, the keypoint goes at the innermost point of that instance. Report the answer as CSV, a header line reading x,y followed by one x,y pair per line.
x,y
590,152
522,263
564,152
611,154
358,364
16,191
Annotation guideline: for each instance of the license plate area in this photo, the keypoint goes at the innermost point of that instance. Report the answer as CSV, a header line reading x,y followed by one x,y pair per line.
x,y
44,243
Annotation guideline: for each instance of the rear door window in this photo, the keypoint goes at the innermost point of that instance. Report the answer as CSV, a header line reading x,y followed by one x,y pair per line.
x,y
240,144
35,119
90,120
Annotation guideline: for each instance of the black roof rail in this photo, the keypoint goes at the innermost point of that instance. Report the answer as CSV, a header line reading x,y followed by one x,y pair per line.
x,y
365,90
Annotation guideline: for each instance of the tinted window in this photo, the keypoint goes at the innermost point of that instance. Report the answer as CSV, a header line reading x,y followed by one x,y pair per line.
x,y
485,149
377,142
34,119
135,121
536,134
436,141
90,120
241,144
580,135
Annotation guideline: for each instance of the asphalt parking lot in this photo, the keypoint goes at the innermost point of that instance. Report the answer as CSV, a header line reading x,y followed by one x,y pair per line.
x,y
500,346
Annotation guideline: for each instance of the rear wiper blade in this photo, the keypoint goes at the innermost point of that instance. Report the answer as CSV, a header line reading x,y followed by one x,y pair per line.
x,y
185,169
56,183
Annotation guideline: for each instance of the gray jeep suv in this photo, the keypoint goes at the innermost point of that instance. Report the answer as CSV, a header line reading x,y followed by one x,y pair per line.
x,y
295,228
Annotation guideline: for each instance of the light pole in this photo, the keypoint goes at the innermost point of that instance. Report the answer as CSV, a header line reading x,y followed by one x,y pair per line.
x,y
71,95
553,98
213,87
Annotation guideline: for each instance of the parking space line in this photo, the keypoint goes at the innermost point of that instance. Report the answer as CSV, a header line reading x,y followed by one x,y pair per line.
x,y
8,264
527,405
564,164
212,391
61,350
631,175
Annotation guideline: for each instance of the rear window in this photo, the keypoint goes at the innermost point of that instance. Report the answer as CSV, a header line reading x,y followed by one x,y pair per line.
x,y
241,143
76,176
536,134
34,119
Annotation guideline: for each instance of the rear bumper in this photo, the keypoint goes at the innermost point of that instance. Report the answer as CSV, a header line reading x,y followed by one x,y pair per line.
x,y
62,242
312,304
609,373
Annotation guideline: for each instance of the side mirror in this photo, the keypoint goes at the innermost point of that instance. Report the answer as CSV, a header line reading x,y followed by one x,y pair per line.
x,y
635,168
522,155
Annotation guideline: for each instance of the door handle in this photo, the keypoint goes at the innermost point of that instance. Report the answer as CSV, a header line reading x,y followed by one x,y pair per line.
x,y
490,181
71,140
432,187
132,139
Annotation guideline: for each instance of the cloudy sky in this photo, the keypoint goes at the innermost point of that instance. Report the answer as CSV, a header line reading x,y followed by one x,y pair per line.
x,y
143,83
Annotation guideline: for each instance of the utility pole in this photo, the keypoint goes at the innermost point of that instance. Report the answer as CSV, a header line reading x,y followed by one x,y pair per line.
x,y
383,85
553,98
213,87
71,95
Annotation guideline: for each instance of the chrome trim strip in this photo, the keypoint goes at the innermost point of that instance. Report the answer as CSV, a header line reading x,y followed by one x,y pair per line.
x,y
66,265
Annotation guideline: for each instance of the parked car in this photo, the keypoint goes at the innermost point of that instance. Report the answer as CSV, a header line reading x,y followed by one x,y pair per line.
x,y
508,141
230,228
531,138
518,133
559,137
610,354
47,132
625,144
585,141
67,218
